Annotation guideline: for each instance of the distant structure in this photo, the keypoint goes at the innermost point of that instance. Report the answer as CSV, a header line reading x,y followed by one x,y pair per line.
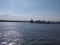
x,y
38,21
31,21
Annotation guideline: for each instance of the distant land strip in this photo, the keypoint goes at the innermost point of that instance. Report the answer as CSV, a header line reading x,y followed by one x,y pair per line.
x,y
31,21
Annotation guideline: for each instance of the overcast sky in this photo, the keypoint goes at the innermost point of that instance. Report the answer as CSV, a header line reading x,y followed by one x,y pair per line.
x,y
30,9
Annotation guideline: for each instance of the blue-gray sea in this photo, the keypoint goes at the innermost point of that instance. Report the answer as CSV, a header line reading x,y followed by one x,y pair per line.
x,y
19,33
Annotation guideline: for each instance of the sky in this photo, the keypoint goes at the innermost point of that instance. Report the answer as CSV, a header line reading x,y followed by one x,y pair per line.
x,y
30,9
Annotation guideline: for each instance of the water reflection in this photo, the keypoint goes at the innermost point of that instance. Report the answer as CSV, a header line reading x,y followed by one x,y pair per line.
x,y
10,35
14,33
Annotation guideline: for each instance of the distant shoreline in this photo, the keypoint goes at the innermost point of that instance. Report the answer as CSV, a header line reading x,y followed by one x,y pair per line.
x,y
36,22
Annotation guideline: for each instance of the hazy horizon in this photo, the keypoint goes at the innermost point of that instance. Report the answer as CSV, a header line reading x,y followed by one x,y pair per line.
x,y
30,9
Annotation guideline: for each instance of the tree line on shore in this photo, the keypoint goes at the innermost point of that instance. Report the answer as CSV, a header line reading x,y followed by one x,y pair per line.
x,y
32,21
45,22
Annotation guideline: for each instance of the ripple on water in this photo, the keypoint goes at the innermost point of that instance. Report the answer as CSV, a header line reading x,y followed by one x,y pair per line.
x,y
11,37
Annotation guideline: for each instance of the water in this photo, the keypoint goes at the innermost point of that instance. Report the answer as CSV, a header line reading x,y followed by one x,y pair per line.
x,y
17,33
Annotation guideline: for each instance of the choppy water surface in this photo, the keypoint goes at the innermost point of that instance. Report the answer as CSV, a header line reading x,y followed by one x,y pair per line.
x,y
16,33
